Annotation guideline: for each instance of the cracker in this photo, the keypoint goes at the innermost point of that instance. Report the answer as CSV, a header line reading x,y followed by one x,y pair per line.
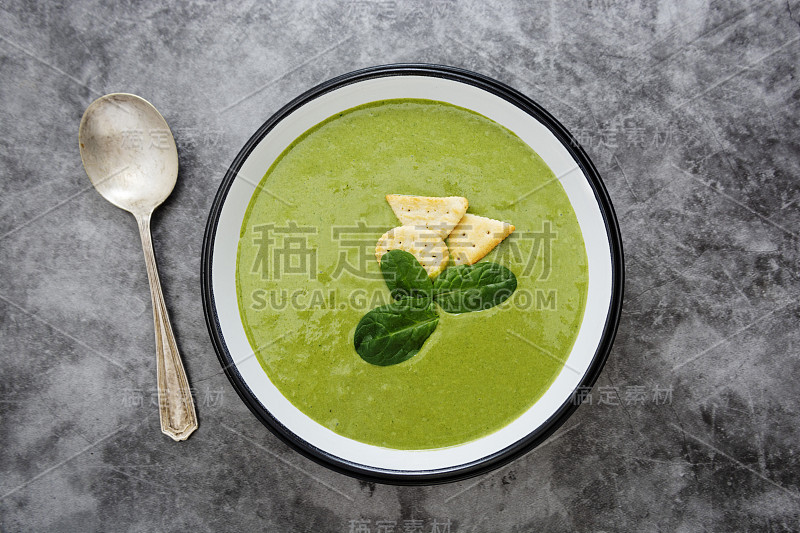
x,y
426,245
439,214
476,236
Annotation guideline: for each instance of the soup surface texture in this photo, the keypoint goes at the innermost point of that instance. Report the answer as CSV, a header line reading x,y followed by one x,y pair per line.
x,y
306,274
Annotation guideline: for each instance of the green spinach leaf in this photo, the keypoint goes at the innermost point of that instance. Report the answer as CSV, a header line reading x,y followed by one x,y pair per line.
x,y
467,288
392,333
404,275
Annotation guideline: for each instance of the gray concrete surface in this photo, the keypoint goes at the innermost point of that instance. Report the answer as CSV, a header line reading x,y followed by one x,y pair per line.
x,y
690,110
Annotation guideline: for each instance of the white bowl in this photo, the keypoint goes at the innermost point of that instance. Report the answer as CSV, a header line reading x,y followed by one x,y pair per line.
x,y
541,132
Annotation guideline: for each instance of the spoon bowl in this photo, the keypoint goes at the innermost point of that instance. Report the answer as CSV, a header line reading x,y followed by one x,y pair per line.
x,y
128,152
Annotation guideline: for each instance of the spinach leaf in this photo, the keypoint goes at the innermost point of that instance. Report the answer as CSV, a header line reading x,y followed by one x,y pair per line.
x,y
404,275
466,288
392,333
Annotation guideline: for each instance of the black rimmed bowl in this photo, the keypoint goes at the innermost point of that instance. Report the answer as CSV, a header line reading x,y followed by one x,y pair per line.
x,y
540,131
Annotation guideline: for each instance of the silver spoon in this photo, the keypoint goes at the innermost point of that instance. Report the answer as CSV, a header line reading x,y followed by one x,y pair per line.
x,y
130,156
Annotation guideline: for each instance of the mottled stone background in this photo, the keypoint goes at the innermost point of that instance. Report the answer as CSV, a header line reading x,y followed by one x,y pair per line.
x,y
690,110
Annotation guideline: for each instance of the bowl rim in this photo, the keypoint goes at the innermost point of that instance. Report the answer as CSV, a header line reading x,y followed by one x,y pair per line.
x,y
501,457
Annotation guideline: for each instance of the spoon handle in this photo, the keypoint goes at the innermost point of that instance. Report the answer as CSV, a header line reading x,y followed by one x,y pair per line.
x,y
176,407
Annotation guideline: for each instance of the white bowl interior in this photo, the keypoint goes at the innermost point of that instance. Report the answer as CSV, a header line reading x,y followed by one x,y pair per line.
x,y
530,130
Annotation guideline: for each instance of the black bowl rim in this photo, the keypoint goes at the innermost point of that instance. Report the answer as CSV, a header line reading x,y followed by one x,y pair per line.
x,y
501,457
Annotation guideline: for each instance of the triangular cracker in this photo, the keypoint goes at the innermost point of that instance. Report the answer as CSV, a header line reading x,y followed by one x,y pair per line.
x,y
429,249
439,214
475,236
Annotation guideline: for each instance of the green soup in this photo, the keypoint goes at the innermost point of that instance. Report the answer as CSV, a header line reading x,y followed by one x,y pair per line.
x,y
306,274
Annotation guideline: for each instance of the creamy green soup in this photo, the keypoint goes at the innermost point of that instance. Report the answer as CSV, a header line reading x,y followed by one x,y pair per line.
x,y
306,274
